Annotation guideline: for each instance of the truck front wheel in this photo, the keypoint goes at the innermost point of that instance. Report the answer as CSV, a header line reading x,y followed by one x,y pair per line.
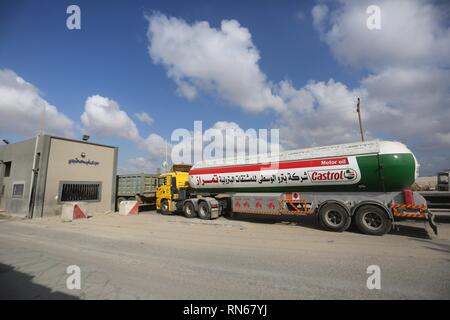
x,y
333,217
372,220
189,210
203,211
165,207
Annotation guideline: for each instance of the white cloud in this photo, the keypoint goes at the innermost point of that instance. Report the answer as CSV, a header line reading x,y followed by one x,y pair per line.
x,y
21,109
144,117
319,13
156,146
320,113
412,33
410,105
139,165
247,141
103,116
223,140
405,95
411,96
200,58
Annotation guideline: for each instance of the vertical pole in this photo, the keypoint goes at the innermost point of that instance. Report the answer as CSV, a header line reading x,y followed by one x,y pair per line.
x,y
166,164
32,181
358,109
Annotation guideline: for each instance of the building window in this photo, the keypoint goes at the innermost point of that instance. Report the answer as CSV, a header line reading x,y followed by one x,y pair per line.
x,y
7,168
17,191
80,191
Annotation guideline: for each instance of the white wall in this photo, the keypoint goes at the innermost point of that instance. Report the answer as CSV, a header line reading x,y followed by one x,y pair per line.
x,y
59,169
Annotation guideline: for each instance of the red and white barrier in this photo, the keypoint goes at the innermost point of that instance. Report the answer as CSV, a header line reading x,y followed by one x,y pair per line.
x,y
74,210
128,208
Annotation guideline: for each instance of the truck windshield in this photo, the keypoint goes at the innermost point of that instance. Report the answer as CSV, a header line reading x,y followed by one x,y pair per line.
x,y
443,178
161,181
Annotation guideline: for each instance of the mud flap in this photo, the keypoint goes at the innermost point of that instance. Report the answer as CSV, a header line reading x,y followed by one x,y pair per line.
x,y
430,218
214,213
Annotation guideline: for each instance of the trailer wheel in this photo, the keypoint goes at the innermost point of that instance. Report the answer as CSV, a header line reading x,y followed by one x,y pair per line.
x,y
372,220
165,207
333,217
189,210
203,211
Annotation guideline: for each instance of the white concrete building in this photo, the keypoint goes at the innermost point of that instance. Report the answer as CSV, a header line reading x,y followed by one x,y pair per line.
x,y
37,176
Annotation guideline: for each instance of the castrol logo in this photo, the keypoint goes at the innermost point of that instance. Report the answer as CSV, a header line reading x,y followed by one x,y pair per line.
x,y
350,174
332,175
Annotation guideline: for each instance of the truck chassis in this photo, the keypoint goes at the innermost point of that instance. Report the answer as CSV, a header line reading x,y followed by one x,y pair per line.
x,y
373,212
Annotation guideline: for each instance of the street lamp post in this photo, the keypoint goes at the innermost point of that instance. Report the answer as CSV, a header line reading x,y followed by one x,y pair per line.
x,y
358,109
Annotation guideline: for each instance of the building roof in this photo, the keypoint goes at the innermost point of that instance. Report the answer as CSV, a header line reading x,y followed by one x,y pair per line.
x,y
60,138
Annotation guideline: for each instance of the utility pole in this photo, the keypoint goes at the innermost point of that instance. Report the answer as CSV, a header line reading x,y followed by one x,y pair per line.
x,y
358,109
165,163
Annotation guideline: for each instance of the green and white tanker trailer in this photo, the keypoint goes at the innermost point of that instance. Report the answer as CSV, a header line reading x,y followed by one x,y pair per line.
x,y
368,182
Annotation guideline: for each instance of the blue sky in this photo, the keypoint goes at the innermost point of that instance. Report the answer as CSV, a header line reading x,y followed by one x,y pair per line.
x,y
109,57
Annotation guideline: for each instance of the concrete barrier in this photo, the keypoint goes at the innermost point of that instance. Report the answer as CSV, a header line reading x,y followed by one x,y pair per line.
x,y
127,208
73,210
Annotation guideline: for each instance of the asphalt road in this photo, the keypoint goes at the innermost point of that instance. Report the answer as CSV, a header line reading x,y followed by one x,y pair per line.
x,y
170,257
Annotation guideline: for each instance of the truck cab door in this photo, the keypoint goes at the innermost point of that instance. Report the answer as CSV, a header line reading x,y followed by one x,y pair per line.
x,y
173,188
162,192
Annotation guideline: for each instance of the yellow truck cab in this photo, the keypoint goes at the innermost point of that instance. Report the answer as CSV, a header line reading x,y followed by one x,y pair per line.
x,y
175,195
169,186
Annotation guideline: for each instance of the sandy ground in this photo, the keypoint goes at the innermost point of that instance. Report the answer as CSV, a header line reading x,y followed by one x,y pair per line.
x,y
151,256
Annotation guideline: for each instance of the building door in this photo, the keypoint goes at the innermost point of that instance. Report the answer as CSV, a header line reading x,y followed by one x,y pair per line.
x,y
5,168
2,193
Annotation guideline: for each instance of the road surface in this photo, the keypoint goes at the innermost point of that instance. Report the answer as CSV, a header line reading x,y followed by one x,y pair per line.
x,y
151,256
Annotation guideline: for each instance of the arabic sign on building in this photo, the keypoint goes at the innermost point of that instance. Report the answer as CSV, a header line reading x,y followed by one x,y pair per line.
x,y
83,161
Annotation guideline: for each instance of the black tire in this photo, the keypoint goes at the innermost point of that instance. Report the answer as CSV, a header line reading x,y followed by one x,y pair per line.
x,y
225,207
334,217
203,211
372,220
189,210
165,207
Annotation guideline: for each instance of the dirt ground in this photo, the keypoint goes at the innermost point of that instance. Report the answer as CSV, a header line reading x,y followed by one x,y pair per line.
x,y
151,256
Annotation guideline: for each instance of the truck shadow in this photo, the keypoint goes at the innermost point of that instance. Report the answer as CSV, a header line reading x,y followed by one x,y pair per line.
x,y
436,246
402,230
312,222
15,285
410,231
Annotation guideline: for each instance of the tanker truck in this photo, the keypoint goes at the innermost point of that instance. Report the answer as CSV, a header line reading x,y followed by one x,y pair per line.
x,y
364,182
